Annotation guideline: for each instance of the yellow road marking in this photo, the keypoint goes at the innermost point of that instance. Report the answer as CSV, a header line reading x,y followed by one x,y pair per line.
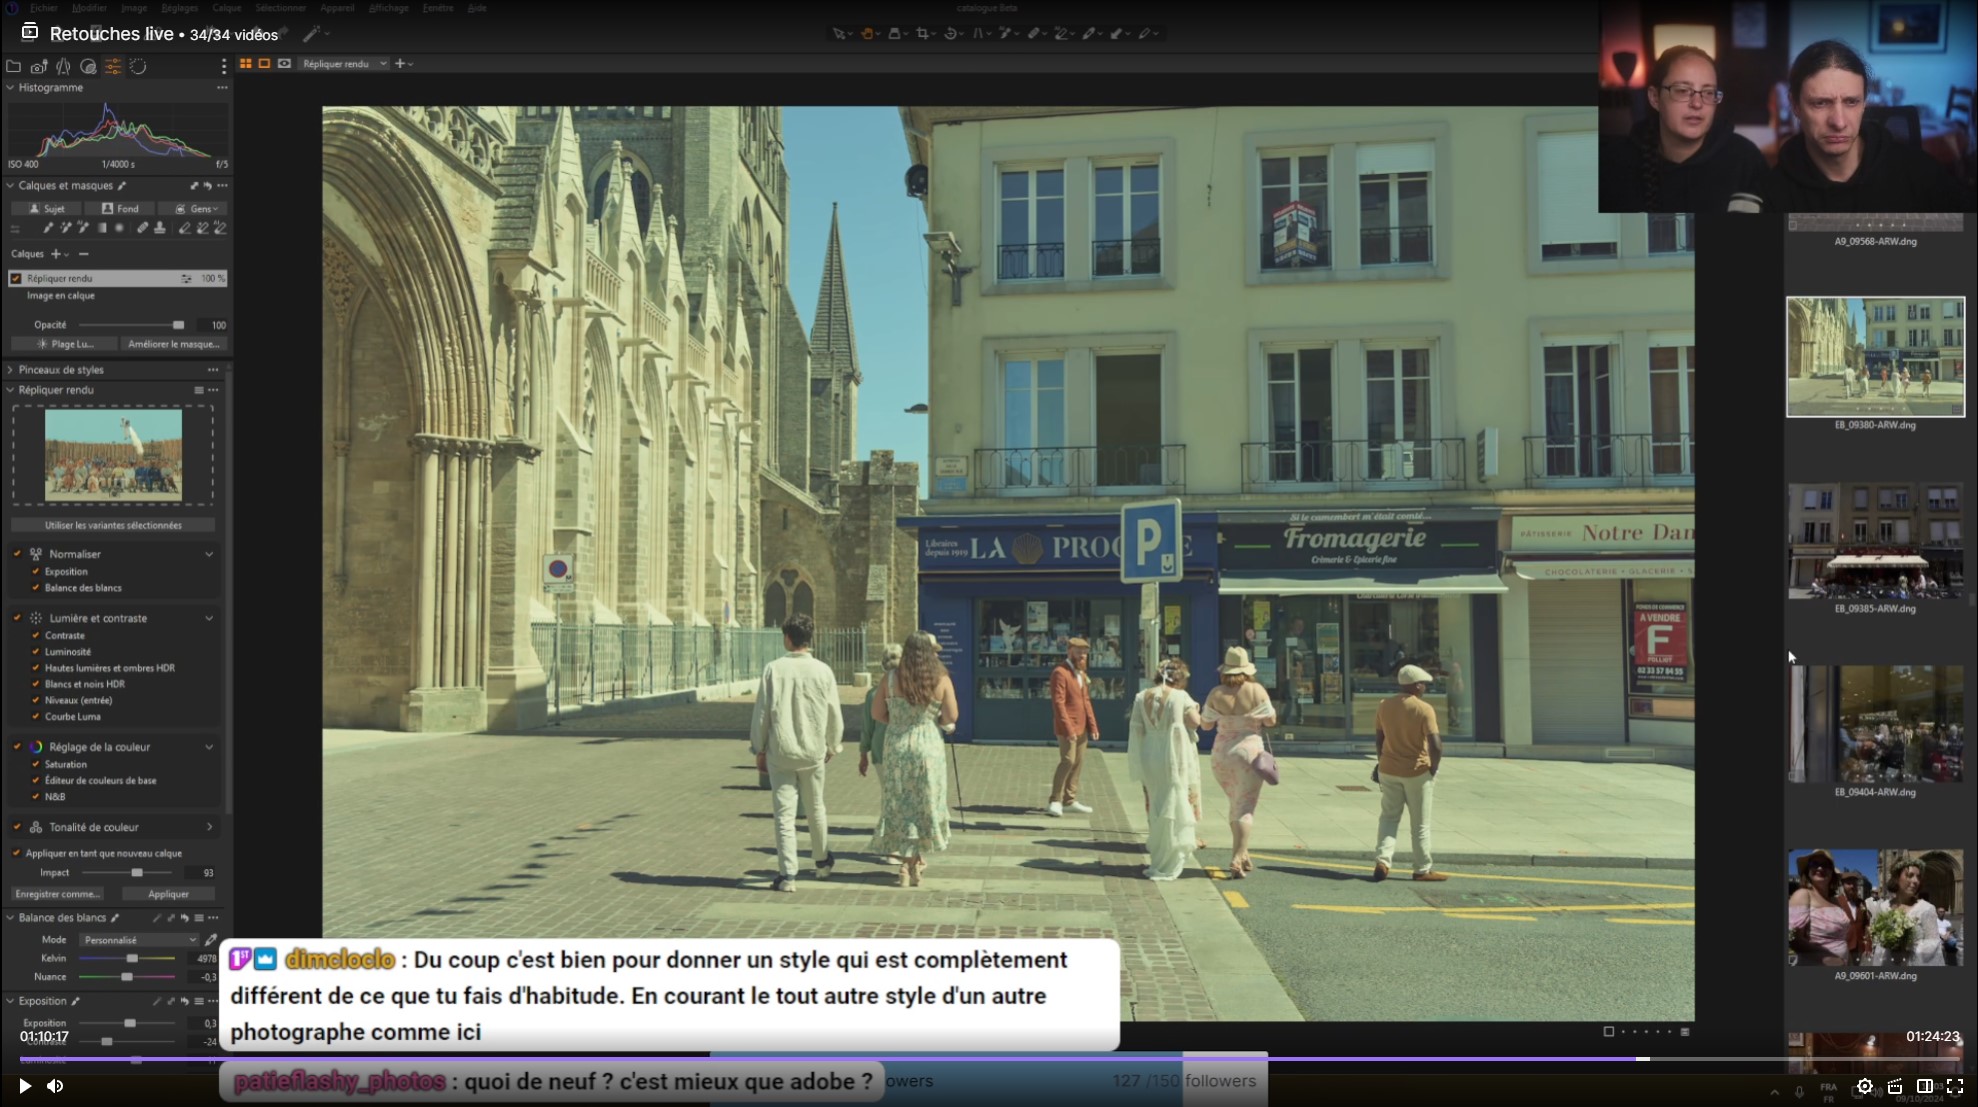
x,y
1236,899
1480,876
1492,918
1215,873
1360,910
1656,922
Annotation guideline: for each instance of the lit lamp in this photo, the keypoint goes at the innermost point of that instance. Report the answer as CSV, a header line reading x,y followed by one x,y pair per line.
x,y
1624,64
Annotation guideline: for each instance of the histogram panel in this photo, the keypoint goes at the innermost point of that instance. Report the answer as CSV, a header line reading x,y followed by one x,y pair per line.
x,y
99,132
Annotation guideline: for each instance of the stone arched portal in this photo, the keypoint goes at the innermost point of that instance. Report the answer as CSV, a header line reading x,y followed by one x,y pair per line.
x,y
381,207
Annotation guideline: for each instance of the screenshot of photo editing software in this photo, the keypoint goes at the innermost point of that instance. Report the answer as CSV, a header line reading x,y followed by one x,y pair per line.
x,y
1270,410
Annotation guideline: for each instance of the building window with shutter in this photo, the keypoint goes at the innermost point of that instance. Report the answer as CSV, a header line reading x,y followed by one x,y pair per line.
x,y
1571,224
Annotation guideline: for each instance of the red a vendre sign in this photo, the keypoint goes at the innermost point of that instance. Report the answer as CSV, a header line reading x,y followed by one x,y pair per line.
x,y
1662,642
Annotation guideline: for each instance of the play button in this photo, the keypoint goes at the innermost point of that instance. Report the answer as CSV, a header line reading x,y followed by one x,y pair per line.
x,y
25,1086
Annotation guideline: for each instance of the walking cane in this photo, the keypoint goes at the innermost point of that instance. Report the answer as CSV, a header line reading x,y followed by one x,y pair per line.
x,y
960,803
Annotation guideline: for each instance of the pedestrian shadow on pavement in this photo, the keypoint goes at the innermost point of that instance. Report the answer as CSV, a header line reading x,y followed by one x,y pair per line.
x,y
803,837
835,831
675,881
1321,874
605,738
1122,872
973,816
1132,844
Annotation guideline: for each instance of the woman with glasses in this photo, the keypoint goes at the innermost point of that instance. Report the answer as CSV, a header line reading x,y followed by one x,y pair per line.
x,y
1685,156
1818,915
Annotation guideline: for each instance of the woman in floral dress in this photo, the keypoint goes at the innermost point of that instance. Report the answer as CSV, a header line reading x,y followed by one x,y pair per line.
x,y
916,703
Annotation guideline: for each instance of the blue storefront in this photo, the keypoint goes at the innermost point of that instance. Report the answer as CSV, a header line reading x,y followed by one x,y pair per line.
x,y
1004,593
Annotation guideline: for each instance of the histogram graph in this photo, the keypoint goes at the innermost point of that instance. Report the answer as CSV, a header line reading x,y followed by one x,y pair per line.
x,y
97,131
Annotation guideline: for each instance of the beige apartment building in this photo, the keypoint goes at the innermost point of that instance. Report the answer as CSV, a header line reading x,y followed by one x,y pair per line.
x,y
1901,528
1421,402
1920,334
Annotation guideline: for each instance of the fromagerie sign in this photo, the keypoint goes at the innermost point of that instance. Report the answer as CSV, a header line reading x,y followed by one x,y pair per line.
x,y
1603,533
1368,543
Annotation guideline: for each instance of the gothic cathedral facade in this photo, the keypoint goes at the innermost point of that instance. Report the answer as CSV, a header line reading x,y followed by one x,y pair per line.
x,y
568,331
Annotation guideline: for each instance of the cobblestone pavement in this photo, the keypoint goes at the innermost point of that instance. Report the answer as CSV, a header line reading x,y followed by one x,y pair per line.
x,y
649,823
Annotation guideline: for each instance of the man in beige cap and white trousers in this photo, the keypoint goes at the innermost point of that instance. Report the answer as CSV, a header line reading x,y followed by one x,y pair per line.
x,y
1409,746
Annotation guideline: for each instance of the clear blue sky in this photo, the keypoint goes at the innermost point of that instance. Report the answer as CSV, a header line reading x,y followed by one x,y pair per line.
x,y
1860,860
100,425
858,158
1859,315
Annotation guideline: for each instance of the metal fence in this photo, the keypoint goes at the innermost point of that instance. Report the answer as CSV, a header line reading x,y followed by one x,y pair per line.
x,y
591,662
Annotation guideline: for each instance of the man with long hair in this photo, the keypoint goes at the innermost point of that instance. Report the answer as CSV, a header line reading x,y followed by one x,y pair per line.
x,y
1843,161
1076,724
799,726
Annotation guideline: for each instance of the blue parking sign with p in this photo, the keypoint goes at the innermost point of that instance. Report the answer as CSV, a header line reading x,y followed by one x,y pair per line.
x,y
1150,542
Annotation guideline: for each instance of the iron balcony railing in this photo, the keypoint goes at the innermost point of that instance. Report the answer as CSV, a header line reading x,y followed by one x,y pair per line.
x,y
1672,233
1080,470
1268,259
1397,245
1031,261
595,663
1347,464
1614,459
1126,257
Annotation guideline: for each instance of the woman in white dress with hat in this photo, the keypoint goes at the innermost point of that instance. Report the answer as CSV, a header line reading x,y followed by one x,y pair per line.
x,y
1161,756
1903,892
1239,709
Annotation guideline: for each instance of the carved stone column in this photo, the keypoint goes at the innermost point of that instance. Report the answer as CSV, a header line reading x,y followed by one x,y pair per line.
x,y
425,644
340,571
474,477
444,696
452,521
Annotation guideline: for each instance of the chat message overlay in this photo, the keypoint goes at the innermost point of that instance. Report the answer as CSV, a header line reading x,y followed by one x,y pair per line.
x,y
646,1080
825,996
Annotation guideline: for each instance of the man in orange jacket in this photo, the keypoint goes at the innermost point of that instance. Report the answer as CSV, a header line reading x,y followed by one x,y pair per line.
x,y
1072,718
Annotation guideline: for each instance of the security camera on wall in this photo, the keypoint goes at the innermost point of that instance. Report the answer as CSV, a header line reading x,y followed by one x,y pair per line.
x,y
943,242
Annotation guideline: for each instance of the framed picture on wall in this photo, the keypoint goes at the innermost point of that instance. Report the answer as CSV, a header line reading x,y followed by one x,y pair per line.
x,y
1907,27
1748,25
